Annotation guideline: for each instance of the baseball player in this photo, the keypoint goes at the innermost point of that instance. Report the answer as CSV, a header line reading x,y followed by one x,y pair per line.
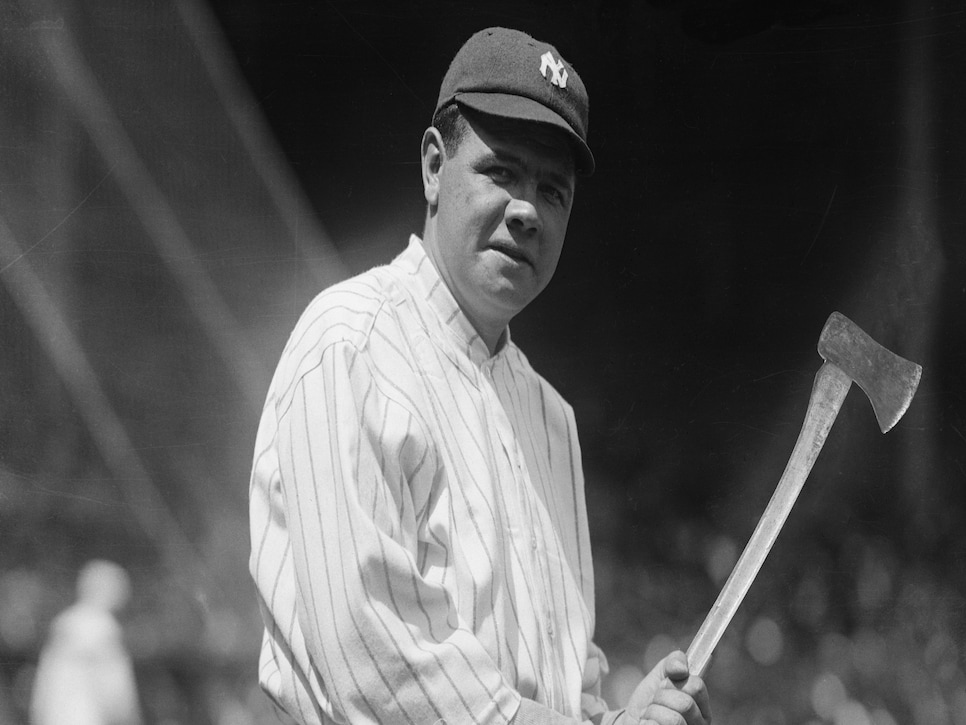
x,y
419,533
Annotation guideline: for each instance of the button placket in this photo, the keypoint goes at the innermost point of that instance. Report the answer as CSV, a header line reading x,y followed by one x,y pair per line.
x,y
529,519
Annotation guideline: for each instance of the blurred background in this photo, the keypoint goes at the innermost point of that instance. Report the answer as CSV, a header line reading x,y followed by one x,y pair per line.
x,y
178,178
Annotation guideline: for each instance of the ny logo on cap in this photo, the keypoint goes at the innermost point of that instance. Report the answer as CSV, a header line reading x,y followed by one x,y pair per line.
x,y
547,61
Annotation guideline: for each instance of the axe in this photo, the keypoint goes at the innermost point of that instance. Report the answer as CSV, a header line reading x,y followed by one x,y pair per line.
x,y
850,355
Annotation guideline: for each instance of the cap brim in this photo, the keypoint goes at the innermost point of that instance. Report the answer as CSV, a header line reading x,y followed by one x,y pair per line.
x,y
525,109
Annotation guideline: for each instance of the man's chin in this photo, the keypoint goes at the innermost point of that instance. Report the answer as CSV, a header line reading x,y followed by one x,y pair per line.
x,y
511,298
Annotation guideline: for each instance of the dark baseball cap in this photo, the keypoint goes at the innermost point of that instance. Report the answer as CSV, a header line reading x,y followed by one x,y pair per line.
x,y
505,72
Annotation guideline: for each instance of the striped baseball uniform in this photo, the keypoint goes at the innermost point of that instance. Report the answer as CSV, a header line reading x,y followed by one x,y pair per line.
x,y
419,532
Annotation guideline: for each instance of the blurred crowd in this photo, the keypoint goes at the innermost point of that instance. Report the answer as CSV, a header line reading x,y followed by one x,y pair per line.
x,y
853,637
841,634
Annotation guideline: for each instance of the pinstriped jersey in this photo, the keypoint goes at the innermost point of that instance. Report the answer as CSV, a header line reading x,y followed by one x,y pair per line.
x,y
419,533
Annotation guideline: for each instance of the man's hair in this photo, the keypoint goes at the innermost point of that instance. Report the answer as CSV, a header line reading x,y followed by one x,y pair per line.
x,y
452,126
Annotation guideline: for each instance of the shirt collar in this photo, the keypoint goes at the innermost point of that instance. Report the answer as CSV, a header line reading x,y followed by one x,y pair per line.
x,y
437,295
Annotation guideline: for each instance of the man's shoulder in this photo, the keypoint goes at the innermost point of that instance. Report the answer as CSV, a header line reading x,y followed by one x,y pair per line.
x,y
344,316
356,325
346,311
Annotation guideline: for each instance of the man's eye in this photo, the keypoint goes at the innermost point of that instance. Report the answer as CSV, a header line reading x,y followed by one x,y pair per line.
x,y
554,194
500,174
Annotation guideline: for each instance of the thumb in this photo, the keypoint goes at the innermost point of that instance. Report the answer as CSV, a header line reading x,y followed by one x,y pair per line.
x,y
676,666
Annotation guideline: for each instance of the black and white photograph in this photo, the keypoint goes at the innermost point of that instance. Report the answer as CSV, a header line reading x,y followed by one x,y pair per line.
x,y
450,361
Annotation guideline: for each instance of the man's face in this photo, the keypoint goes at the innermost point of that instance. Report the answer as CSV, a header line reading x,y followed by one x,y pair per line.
x,y
502,211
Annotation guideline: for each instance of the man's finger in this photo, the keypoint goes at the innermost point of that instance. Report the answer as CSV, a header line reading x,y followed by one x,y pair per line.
x,y
675,707
677,677
676,666
663,716
694,687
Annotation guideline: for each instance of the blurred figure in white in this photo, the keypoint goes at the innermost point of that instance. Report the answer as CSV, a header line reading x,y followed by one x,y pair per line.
x,y
85,675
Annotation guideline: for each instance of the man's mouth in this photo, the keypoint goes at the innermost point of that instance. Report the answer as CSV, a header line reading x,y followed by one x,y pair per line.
x,y
514,253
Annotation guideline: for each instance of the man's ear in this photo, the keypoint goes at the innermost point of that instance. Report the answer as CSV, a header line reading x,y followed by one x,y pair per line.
x,y
432,156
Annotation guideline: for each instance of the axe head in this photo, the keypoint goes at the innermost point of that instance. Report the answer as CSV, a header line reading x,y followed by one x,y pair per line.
x,y
890,381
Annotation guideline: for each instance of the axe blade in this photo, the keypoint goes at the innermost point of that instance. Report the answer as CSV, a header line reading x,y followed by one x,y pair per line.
x,y
889,381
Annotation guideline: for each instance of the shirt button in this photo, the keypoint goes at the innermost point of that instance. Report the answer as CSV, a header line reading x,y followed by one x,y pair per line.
x,y
550,629
533,542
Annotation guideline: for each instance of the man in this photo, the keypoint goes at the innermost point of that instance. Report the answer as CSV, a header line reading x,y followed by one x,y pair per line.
x,y
85,675
420,541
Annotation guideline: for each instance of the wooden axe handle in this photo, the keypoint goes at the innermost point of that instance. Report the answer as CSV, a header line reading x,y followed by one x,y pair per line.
x,y
829,390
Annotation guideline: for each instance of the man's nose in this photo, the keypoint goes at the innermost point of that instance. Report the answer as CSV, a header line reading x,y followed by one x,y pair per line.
x,y
521,216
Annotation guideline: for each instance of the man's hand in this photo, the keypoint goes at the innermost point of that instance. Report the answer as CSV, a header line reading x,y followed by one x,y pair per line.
x,y
669,695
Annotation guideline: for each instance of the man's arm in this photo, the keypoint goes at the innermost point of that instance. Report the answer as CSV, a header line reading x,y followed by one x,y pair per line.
x,y
387,644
